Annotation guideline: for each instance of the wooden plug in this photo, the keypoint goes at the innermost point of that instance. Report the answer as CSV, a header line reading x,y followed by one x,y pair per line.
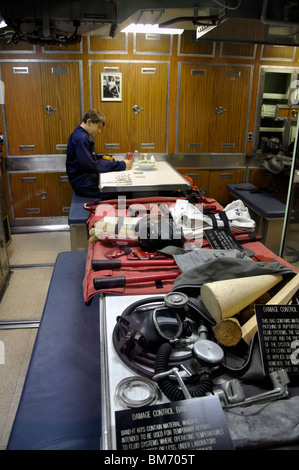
x,y
228,332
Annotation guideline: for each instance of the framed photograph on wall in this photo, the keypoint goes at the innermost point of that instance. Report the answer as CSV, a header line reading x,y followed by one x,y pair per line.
x,y
111,86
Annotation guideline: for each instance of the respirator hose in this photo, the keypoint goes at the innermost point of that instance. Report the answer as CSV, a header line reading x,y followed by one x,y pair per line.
x,y
171,389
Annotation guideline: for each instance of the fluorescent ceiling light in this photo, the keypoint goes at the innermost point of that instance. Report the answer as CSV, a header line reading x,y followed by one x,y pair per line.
x,y
201,30
150,28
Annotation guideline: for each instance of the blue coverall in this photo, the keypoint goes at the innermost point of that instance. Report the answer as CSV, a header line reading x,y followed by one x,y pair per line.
x,y
83,165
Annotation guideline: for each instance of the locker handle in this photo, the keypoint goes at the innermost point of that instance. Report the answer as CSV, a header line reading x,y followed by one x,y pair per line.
x,y
32,210
29,179
49,109
220,110
136,109
148,145
225,175
64,178
27,148
42,195
191,175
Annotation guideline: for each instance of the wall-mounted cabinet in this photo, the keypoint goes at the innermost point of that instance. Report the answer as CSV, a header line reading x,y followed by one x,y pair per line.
x,y
260,177
139,121
200,178
40,194
43,104
277,108
213,107
218,181
213,183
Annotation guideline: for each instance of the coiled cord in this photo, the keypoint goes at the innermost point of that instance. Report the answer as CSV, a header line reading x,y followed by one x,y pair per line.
x,y
127,384
171,389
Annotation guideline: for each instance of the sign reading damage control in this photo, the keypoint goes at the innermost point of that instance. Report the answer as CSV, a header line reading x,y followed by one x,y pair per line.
x,y
197,423
278,328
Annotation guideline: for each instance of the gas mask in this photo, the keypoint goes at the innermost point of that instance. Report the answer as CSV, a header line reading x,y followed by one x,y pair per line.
x,y
154,336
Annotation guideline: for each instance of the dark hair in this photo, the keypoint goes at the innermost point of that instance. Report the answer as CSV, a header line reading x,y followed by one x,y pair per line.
x,y
95,116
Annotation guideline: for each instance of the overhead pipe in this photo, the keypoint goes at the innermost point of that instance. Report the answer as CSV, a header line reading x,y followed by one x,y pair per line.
x,y
214,20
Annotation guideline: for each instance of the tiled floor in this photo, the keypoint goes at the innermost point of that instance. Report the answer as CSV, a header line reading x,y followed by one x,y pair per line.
x,y
31,258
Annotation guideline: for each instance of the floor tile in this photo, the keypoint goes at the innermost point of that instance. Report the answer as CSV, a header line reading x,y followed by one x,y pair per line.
x,y
25,293
24,298
37,248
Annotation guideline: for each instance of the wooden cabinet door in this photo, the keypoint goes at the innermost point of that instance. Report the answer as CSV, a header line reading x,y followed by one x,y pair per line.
x,y
40,194
115,136
218,181
199,177
231,109
195,110
60,83
260,178
143,128
148,105
23,108
213,108
42,105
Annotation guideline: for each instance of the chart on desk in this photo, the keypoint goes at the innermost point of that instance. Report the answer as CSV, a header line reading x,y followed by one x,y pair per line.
x,y
161,176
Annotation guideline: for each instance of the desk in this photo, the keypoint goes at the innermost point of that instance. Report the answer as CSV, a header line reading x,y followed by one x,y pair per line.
x,y
163,177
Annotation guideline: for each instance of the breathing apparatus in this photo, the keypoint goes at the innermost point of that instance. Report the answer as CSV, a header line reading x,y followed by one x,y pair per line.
x,y
166,340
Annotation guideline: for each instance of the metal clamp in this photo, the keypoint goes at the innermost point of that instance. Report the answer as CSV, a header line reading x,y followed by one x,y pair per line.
x,y
174,371
231,393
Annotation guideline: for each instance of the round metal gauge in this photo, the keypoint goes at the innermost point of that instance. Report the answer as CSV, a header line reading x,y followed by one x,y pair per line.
x,y
207,351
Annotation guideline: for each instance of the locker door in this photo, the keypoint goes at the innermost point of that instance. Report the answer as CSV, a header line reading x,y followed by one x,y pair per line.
x,y
148,104
139,120
214,103
195,109
230,109
60,103
40,194
23,108
115,137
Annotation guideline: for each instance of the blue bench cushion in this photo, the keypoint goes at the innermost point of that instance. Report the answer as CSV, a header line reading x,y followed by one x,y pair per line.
x,y
77,214
60,406
262,203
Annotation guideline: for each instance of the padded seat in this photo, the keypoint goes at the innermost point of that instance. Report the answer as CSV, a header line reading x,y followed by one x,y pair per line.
x,y
77,221
267,212
60,406
263,203
77,214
